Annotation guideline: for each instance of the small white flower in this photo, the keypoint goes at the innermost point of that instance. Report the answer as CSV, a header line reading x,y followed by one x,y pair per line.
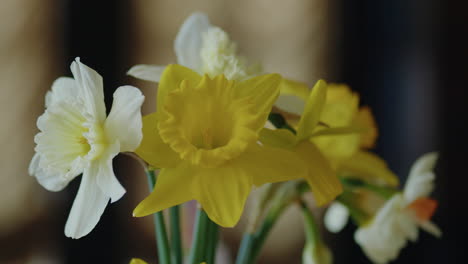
x,y
205,49
401,216
76,138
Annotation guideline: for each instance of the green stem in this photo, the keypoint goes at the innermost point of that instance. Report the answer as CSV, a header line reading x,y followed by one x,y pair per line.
x,y
212,243
159,226
311,228
197,254
384,192
176,244
245,249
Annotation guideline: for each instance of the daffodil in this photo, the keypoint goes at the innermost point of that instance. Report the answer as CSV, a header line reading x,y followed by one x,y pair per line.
x,y
204,48
398,220
204,137
77,138
321,176
346,132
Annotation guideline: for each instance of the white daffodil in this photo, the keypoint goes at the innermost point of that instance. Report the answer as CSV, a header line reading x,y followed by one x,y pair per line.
x,y
399,219
205,49
76,138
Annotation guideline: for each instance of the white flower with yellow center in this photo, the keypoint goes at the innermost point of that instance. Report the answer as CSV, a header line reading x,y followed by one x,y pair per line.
x,y
399,219
76,138
204,48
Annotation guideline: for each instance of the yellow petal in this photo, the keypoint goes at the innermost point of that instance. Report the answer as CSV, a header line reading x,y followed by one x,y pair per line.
x,y
170,190
370,168
152,149
222,192
341,106
290,87
366,120
322,179
267,165
171,79
313,110
137,261
337,131
279,138
262,92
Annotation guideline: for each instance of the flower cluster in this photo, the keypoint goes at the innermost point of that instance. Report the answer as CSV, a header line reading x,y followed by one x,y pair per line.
x,y
222,127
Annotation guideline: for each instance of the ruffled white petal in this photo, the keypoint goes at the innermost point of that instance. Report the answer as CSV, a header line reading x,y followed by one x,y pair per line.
x,y
150,73
90,87
106,179
188,42
124,121
88,206
50,180
63,89
336,217
420,181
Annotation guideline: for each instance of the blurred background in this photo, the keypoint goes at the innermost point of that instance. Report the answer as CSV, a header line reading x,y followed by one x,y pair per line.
x,y
407,59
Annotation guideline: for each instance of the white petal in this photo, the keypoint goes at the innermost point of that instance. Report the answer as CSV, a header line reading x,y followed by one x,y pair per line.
x,y
106,179
420,182
431,228
336,217
50,180
63,89
88,206
124,121
90,88
188,42
150,73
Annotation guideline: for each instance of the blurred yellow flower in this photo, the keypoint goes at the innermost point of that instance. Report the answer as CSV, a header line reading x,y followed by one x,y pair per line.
x,y
204,137
321,177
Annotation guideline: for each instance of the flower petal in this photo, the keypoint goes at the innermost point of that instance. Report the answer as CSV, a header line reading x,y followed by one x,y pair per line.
x,y
222,193
279,138
267,164
137,261
124,121
88,206
263,91
170,190
293,96
322,179
188,42
90,88
145,72
336,217
106,179
420,182
50,180
152,149
63,89
370,168
312,111
171,79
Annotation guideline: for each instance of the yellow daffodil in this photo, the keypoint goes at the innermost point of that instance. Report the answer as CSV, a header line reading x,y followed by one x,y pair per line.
x,y
348,131
205,49
77,138
204,137
321,177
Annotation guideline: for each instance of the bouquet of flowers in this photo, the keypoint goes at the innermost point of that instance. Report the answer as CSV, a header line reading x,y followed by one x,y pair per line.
x,y
222,127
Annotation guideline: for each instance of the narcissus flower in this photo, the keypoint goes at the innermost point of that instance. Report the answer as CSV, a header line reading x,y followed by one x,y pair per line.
x,y
204,137
76,138
400,217
204,48
321,177
346,132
